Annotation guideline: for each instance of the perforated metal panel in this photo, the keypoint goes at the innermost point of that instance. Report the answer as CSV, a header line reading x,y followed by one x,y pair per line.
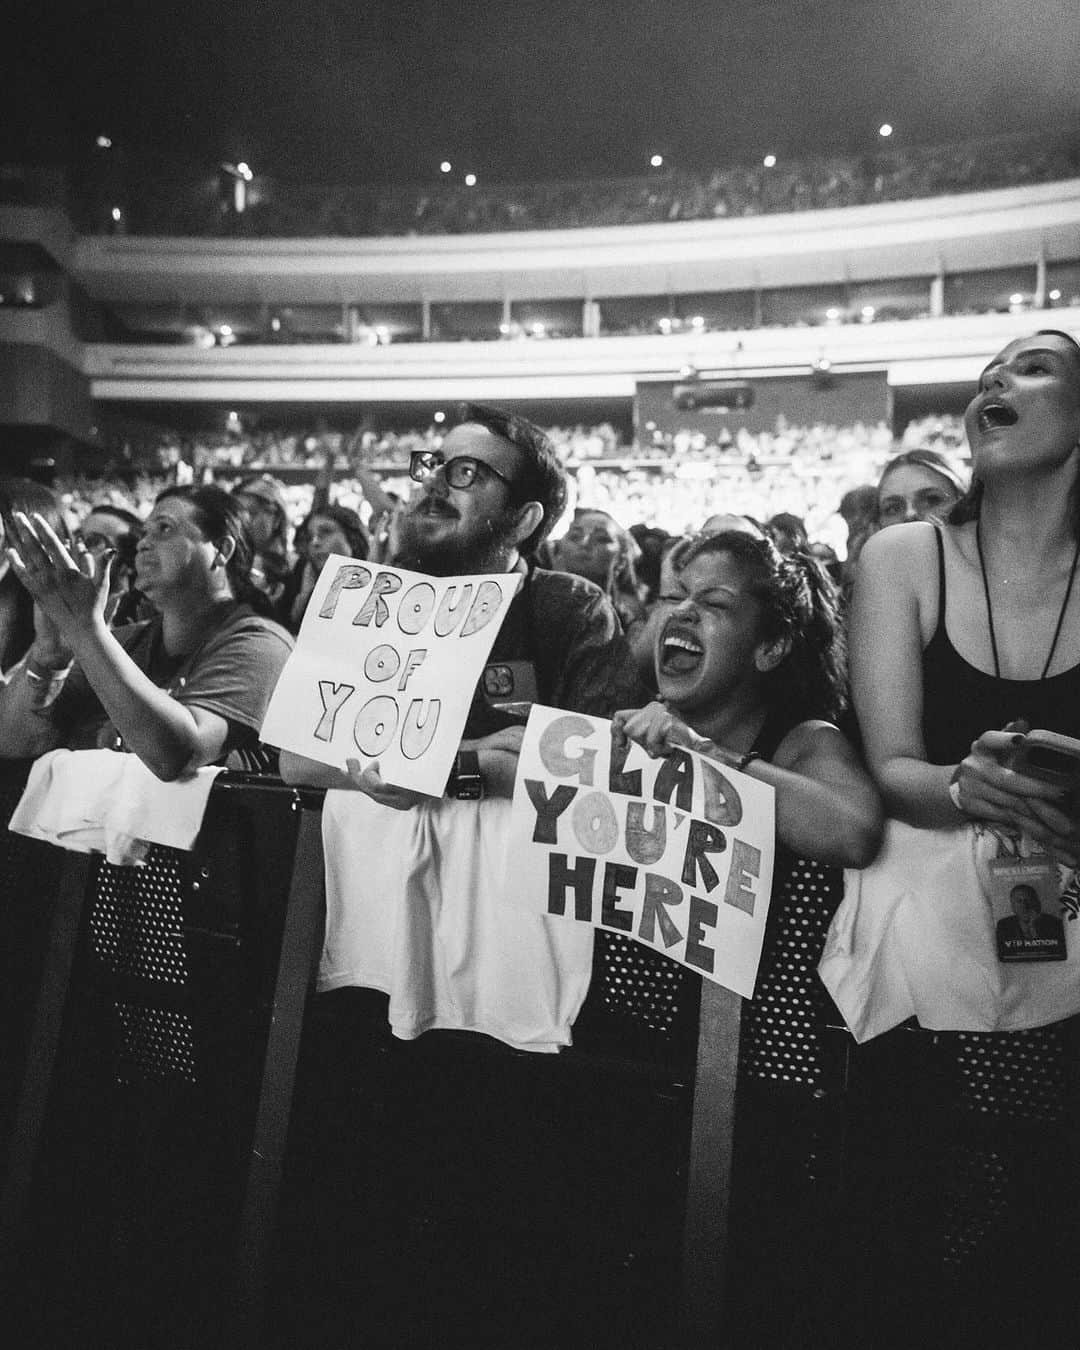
x,y
784,1023
156,1044
137,932
1019,1074
136,920
638,983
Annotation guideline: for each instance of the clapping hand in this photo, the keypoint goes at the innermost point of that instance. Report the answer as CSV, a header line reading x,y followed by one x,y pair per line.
x,y
69,586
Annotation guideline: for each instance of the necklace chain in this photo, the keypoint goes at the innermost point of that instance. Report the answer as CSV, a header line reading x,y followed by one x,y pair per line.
x,y
990,608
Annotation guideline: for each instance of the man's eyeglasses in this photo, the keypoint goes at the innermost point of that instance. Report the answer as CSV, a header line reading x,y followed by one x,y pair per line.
x,y
460,472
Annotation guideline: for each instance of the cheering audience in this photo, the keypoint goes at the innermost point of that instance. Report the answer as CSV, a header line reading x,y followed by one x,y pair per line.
x,y
186,688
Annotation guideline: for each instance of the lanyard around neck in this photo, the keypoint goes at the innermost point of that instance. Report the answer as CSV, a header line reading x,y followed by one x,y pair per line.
x,y
990,609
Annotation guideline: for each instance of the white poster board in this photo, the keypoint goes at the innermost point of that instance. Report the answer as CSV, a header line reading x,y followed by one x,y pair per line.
x,y
675,852
385,667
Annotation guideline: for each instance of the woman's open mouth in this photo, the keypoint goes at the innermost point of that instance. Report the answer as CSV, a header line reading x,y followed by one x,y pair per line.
x,y
680,653
993,416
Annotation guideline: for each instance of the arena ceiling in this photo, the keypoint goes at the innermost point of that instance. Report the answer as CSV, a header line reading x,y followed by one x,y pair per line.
x,y
383,90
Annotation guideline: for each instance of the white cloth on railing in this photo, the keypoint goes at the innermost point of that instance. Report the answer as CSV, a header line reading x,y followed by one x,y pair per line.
x,y
105,801
417,906
914,937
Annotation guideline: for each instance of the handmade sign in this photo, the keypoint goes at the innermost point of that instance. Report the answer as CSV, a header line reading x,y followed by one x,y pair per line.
x,y
384,669
675,852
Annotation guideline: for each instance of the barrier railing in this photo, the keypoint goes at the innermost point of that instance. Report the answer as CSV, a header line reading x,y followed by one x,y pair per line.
x,y
199,965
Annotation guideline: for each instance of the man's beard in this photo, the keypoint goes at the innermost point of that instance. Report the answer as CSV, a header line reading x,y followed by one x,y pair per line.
x,y
486,548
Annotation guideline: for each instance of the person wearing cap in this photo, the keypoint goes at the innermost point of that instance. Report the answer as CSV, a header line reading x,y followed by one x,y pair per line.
x,y
264,502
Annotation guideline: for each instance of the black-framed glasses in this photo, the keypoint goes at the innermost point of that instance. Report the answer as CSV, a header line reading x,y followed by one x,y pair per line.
x,y
460,472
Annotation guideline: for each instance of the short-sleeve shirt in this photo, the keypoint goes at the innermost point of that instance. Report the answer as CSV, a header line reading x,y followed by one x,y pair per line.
x,y
232,673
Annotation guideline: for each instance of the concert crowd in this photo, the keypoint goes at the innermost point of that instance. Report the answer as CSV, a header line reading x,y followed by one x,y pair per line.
x,y
877,630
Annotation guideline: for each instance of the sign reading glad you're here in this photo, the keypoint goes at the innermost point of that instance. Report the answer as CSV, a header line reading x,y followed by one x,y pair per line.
x,y
675,852
384,669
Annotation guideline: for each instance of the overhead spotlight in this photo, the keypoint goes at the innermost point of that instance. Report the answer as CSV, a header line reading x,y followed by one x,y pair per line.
x,y
103,143
245,172
656,161
440,416
885,129
1055,294
769,161
698,321
832,314
664,324
116,213
867,313
445,166
470,180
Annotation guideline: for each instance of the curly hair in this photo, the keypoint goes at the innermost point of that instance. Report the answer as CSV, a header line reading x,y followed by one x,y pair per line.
x,y
799,602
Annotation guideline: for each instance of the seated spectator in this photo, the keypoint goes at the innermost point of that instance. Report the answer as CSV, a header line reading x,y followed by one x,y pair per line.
x,y
263,498
725,520
329,529
598,548
109,529
184,689
654,543
788,533
917,485
16,603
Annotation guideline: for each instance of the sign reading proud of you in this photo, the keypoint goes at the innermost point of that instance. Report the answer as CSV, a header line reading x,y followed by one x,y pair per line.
x,y
384,668
675,852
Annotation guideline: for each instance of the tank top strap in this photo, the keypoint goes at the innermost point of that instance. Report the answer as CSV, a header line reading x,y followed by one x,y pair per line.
x,y
941,577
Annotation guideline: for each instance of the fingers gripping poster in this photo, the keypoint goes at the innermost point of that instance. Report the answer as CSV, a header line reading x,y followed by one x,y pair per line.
x,y
384,669
676,852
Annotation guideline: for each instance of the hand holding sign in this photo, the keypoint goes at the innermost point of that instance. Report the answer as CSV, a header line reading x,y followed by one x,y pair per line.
x,y
676,852
384,670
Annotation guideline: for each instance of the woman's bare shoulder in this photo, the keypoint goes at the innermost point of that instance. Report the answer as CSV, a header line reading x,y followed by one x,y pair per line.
x,y
901,546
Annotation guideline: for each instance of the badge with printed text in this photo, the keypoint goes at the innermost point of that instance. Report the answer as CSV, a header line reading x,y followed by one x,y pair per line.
x,y
1025,894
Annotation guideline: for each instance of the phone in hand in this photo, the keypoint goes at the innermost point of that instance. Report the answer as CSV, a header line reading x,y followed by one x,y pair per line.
x,y
1049,758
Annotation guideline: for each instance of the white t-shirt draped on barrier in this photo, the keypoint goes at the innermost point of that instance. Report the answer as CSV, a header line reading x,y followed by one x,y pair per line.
x,y
914,937
417,906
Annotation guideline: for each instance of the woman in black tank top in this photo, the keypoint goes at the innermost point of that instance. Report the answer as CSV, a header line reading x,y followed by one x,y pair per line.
x,y
946,695
964,638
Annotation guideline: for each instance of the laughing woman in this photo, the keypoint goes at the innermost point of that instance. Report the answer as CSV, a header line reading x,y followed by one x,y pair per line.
x,y
749,665
749,668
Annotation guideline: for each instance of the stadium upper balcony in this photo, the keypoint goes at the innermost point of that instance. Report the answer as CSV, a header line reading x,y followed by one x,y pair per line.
x,y
166,199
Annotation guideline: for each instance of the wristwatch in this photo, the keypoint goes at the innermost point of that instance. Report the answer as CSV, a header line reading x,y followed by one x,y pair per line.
x,y
465,782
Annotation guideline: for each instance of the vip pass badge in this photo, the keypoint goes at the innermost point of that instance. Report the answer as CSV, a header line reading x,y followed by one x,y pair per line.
x,y
1027,903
